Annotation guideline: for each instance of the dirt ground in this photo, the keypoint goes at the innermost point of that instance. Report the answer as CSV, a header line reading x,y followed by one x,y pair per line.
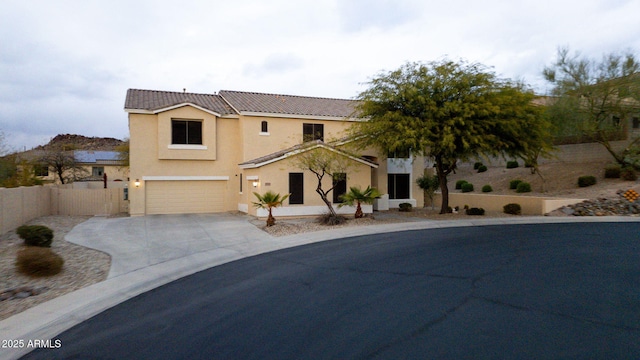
x,y
560,180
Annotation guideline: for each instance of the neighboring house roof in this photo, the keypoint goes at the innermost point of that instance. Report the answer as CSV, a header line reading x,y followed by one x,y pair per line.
x,y
152,101
297,149
96,157
260,103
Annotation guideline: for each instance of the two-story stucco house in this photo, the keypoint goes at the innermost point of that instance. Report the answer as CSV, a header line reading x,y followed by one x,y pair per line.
x,y
203,153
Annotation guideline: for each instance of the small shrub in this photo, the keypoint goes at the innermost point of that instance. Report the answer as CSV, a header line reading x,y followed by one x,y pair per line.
x,y
513,209
512,164
513,184
629,174
35,235
612,171
482,169
467,187
459,184
405,207
588,180
475,211
477,165
330,220
523,187
487,188
38,261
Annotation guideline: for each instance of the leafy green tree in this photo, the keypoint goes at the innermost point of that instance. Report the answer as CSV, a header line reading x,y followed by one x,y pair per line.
x,y
429,184
449,111
357,196
595,97
269,201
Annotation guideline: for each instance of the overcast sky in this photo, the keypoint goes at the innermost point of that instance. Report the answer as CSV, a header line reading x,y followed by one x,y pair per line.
x,y
65,66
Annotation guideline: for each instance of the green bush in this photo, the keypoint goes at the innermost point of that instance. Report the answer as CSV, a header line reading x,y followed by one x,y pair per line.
x,y
459,184
487,188
629,174
467,187
482,169
477,165
513,184
475,211
406,207
35,235
523,187
587,180
38,261
612,171
512,164
513,209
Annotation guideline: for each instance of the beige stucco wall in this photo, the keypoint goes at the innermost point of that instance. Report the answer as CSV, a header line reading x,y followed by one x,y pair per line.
x,y
283,133
22,204
229,142
209,138
151,157
531,205
275,177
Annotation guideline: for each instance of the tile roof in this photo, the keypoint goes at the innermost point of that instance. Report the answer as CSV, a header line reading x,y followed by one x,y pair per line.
x,y
282,154
288,104
152,100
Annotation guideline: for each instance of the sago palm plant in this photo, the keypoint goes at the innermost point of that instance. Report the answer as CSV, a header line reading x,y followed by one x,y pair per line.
x,y
269,201
357,196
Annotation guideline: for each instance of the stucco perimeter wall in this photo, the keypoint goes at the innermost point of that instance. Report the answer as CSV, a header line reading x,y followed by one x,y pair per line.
x,y
23,204
531,205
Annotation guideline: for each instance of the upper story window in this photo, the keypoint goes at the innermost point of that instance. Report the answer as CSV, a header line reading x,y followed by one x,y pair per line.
x,y
264,127
636,122
312,132
399,154
186,132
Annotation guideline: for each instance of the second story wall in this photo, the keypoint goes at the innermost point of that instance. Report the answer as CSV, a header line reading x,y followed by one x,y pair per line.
x,y
283,132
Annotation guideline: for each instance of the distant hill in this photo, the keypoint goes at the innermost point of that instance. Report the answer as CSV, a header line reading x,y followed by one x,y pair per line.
x,y
80,142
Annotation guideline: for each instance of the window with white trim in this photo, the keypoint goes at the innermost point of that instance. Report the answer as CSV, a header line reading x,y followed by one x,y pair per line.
x,y
399,186
186,132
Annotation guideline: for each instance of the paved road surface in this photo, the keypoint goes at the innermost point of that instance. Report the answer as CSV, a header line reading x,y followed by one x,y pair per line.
x,y
516,291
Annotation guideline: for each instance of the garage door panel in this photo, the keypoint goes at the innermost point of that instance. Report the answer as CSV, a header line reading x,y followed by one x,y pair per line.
x,y
185,197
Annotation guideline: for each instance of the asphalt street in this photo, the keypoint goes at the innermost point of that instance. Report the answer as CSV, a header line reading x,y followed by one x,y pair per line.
x,y
504,292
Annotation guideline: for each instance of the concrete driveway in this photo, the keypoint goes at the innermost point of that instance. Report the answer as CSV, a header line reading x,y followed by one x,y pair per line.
x,y
140,242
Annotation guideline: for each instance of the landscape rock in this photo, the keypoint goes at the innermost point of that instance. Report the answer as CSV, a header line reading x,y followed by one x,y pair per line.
x,y
603,207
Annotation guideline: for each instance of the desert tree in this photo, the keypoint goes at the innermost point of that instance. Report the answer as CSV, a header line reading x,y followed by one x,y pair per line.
x,y
595,97
449,111
123,154
325,162
61,160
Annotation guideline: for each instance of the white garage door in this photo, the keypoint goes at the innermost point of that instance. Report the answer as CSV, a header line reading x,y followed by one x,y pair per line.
x,y
185,197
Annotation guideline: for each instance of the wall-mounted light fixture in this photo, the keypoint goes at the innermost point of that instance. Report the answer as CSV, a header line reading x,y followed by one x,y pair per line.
x,y
255,180
137,183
